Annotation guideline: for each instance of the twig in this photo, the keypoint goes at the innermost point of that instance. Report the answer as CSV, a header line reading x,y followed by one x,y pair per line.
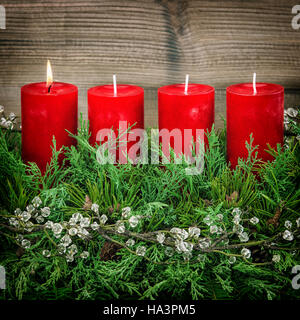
x,y
107,231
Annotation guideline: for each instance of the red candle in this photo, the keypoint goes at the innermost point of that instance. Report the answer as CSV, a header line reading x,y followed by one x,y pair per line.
x,y
48,109
109,106
257,109
186,107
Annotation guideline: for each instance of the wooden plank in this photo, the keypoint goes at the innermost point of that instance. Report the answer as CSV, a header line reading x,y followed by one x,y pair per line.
x,y
149,43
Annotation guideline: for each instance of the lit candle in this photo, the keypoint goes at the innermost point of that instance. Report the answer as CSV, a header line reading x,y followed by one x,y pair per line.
x,y
186,106
48,109
255,108
109,105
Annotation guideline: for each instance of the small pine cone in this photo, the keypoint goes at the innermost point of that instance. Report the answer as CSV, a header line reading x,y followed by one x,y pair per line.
x,y
109,251
110,210
260,255
20,251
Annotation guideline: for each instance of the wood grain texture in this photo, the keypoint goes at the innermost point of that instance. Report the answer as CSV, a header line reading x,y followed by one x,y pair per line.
x,y
149,43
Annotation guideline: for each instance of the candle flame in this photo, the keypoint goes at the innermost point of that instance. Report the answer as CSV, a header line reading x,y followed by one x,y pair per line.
x,y
49,75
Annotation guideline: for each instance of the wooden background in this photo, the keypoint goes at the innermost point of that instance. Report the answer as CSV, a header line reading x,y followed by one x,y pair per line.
x,y
149,43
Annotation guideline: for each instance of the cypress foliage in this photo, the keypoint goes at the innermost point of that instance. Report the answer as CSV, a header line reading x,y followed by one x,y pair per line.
x,y
149,201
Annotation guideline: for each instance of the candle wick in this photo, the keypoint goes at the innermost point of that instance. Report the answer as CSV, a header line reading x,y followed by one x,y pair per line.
x,y
254,83
49,88
115,85
186,84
